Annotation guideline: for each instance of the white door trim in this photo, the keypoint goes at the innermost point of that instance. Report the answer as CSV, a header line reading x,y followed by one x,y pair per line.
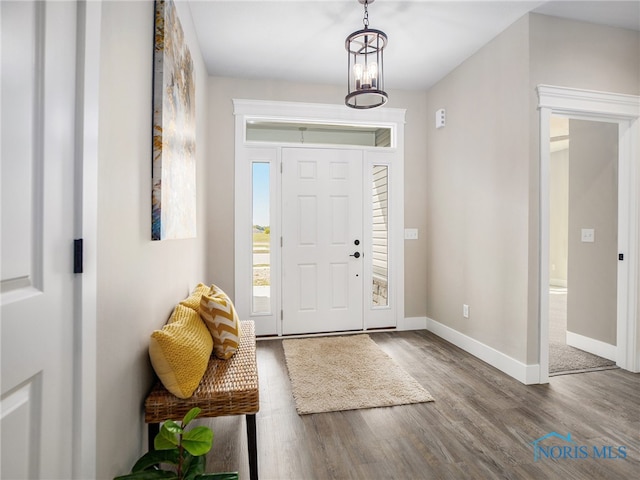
x,y
86,315
309,113
624,110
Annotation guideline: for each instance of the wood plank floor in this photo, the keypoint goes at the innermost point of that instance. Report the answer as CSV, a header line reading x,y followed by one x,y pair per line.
x,y
480,427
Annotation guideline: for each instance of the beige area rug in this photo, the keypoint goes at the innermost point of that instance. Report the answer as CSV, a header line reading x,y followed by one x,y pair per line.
x,y
330,374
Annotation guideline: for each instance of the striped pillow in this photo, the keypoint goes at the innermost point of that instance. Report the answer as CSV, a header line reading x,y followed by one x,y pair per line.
x,y
219,314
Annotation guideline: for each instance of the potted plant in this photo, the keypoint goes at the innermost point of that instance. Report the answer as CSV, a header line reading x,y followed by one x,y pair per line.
x,y
184,449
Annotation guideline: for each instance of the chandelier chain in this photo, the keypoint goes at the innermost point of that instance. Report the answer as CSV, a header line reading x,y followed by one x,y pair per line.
x,y
365,20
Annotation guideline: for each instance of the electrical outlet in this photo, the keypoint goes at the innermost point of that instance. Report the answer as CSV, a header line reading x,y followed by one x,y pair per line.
x,y
465,310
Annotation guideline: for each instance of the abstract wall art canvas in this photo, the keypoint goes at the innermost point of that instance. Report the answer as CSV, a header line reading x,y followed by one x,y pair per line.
x,y
174,129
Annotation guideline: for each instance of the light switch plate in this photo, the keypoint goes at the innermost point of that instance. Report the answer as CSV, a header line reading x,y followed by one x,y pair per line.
x,y
410,233
588,235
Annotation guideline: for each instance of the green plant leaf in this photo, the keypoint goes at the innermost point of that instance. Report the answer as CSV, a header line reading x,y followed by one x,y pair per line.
x,y
201,433
218,476
166,439
172,427
198,440
191,414
149,475
187,458
150,459
195,468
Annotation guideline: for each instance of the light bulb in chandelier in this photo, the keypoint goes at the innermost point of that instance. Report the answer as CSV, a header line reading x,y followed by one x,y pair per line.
x,y
370,76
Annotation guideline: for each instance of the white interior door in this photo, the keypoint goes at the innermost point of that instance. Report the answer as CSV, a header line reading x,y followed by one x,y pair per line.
x,y
37,170
322,262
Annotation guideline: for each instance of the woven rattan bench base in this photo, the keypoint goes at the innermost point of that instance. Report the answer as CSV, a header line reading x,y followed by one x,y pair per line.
x,y
229,387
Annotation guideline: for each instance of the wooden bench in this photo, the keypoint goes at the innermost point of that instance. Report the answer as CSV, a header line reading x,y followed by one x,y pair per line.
x,y
229,387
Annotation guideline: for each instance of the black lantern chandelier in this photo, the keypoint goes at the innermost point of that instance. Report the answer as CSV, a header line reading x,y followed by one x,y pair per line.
x,y
366,66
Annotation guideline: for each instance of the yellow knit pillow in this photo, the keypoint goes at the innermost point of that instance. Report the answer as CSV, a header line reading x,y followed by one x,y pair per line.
x,y
193,300
180,351
221,319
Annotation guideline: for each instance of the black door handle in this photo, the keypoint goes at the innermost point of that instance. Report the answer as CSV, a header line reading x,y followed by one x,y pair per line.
x,y
357,255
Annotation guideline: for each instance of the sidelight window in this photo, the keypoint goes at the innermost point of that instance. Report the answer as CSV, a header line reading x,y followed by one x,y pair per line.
x,y
380,235
261,238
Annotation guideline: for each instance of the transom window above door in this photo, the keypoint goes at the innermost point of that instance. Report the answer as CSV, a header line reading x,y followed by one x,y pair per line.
x,y
260,130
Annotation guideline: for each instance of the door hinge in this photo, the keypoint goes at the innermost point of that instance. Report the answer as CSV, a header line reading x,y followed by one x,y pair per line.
x,y
621,256
281,315
77,255
281,167
280,242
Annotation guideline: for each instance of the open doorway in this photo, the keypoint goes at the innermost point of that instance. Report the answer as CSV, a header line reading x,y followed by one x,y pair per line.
x,y
605,107
583,245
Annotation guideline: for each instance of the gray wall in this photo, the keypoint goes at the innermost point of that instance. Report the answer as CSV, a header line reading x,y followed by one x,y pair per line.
x,y
220,256
583,55
478,193
482,178
139,281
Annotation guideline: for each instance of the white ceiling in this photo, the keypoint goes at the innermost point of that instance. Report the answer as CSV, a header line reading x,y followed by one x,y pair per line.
x,y
303,41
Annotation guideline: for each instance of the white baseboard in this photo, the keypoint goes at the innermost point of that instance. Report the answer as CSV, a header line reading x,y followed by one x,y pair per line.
x,y
413,323
596,347
527,374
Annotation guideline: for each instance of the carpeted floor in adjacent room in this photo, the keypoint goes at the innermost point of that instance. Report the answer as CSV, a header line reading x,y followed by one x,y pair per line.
x,y
564,359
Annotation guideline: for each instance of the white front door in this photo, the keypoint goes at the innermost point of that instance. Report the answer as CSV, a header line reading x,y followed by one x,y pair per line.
x,y
322,262
37,162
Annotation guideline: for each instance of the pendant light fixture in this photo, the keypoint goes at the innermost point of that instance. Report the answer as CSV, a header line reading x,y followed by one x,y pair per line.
x,y
365,65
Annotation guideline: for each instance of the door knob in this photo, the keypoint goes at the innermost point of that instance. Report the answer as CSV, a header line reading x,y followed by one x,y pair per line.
x,y
357,255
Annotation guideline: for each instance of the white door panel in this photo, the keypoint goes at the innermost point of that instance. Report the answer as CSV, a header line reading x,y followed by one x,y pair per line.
x,y
321,220
37,162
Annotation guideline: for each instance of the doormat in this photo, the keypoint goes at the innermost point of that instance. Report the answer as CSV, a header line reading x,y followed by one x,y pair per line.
x,y
330,374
